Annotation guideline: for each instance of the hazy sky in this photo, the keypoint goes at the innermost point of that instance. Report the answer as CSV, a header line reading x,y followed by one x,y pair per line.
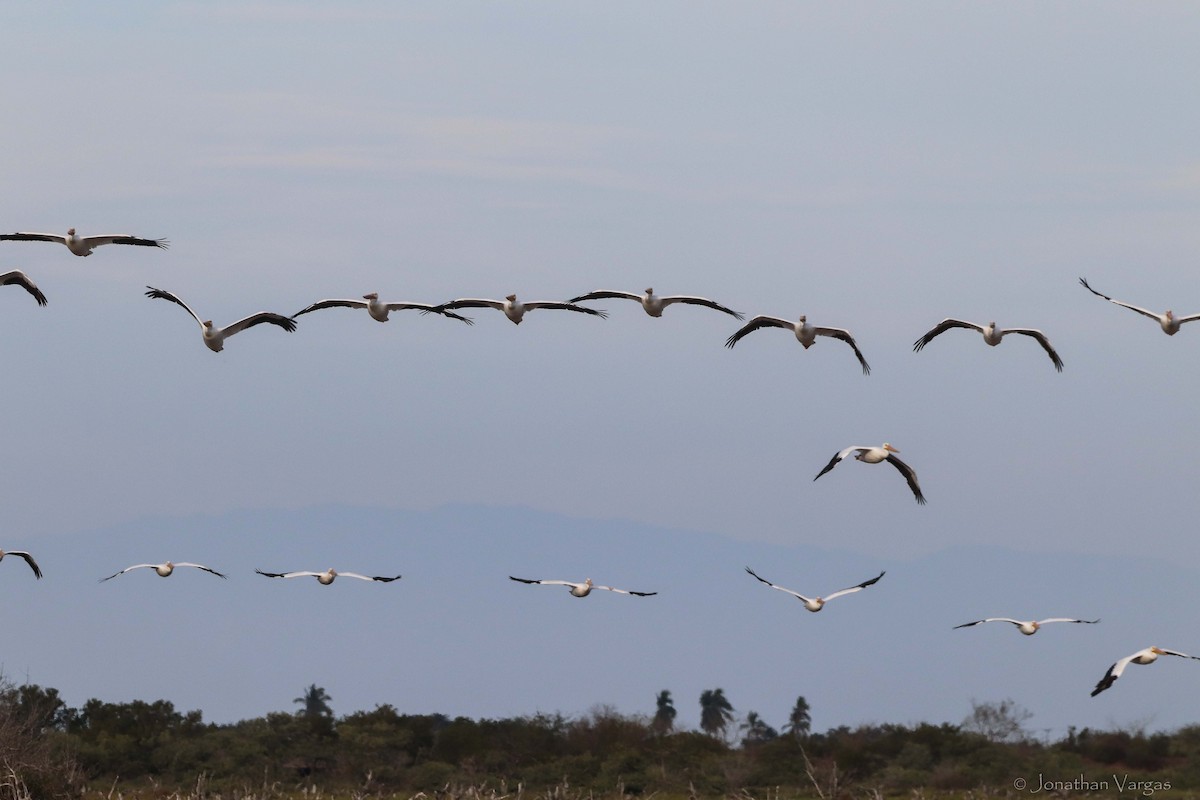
x,y
875,166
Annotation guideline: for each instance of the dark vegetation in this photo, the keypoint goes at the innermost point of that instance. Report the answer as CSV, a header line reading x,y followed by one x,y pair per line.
x,y
50,750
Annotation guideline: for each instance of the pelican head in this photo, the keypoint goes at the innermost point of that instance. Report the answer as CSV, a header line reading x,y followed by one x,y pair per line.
x,y
889,448
371,296
650,291
70,231
587,582
803,318
207,324
512,298
1170,314
1158,651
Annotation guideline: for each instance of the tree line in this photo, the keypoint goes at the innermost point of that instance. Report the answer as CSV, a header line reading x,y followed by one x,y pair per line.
x,y
54,750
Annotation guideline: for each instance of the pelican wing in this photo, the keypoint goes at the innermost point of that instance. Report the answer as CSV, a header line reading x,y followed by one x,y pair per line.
x,y
564,306
331,304
605,295
702,301
1068,619
1113,673
756,323
33,237
833,462
989,619
853,589
547,583
368,577
18,278
123,238
198,566
909,475
780,588
623,591
289,574
467,302
1177,653
426,308
1143,311
941,328
287,323
844,335
33,565
1042,340
127,569
161,294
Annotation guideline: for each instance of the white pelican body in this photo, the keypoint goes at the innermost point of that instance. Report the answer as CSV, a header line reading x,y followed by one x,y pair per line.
x,y
1167,320
1027,627
164,570
1147,656
83,245
653,304
815,604
37,571
328,576
214,337
18,278
991,334
582,589
806,334
513,308
377,308
873,455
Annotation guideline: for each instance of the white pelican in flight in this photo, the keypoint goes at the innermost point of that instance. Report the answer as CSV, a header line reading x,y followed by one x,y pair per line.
x,y
806,334
18,278
215,337
1147,656
37,571
991,334
328,576
654,303
377,309
1167,321
164,570
513,308
817,603
1027,627
873,455
582,589
83,245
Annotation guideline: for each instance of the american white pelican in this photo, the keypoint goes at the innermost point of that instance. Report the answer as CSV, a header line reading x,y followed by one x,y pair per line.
x,y
806,334
653,303
1027,627
513,308
817,603
378,310
1167,320
18,278
164,570
215,337
582,589
327,577
28,560
991,334
873,455
1147,656
83,245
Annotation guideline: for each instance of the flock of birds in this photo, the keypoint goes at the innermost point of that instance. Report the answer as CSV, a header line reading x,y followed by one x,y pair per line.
x,y
654,305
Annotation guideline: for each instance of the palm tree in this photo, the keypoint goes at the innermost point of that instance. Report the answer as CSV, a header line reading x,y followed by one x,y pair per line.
x,y
664,717
315,702
756,730
799,721
715,712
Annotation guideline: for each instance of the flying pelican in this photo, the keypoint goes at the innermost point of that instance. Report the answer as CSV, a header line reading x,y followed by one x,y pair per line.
x,y
327,577
815,604
83,245
873,455
1167,321
21,279
513,309
1147,656
377,310
215,337
582,589
806,334
1030,627
28,560
991,334
653,303
164,570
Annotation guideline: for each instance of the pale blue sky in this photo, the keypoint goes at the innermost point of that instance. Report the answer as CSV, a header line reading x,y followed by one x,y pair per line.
x,y
875,166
